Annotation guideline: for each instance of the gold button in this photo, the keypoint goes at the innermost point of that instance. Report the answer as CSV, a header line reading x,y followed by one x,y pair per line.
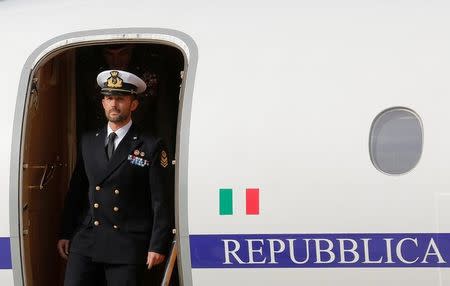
x,y
116,209
96,223
115,227
116,192
96,205
98,188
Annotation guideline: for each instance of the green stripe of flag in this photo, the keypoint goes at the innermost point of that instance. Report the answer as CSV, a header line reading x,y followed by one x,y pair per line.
x,y
226,201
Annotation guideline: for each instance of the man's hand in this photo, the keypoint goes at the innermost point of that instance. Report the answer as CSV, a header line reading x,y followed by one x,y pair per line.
x,y
63,248
153,259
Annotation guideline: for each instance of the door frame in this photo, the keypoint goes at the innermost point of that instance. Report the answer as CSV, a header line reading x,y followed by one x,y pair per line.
x,y
169,37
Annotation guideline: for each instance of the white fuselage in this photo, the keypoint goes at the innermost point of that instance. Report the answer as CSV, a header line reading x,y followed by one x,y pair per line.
x,y
284,97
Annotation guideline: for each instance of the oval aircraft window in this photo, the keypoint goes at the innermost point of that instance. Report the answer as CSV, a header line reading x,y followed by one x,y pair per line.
x,y
396,140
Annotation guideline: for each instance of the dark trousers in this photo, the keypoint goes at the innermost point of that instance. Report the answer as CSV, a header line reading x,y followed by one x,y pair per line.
x,y
82,271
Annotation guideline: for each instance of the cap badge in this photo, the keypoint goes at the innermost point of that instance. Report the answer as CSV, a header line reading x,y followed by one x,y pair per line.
x,y
114,81
164,159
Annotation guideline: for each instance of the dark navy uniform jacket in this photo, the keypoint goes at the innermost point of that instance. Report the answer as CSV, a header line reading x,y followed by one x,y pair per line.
x,y
116,211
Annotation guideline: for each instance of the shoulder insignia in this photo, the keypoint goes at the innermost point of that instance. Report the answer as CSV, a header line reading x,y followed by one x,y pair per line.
x,y
164,159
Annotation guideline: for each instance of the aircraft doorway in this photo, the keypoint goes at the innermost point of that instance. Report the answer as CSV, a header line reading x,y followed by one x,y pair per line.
x,y
63,103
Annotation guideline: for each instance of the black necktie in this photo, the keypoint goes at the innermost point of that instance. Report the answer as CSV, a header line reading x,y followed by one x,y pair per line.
x,y
110,147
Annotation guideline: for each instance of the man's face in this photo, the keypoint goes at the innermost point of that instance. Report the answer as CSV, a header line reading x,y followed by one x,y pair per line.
x,y
118,108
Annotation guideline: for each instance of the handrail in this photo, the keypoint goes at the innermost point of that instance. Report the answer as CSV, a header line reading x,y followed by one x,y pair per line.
x,y
47,175
171,261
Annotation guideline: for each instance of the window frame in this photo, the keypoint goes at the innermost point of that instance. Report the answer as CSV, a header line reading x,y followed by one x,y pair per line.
x,y
375,120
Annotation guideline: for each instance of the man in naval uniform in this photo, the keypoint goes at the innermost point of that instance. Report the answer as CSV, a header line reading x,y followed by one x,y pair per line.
x,y
116,216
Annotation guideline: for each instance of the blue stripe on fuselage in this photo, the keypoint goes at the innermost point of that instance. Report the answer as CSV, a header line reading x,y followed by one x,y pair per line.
x,y
5,253
320,250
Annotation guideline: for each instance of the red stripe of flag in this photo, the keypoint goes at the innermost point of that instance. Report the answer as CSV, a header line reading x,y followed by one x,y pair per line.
x,y
252,201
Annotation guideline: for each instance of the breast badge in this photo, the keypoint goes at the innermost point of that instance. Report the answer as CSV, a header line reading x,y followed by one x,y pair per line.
x,y
137,160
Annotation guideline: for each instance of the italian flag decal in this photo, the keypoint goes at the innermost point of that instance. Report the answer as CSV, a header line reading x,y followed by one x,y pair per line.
x,y
251,201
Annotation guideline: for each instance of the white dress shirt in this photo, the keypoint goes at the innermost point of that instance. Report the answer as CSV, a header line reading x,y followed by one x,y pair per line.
x,y
121,132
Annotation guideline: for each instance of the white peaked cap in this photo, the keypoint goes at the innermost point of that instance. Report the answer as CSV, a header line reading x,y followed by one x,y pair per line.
x,y
117,81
